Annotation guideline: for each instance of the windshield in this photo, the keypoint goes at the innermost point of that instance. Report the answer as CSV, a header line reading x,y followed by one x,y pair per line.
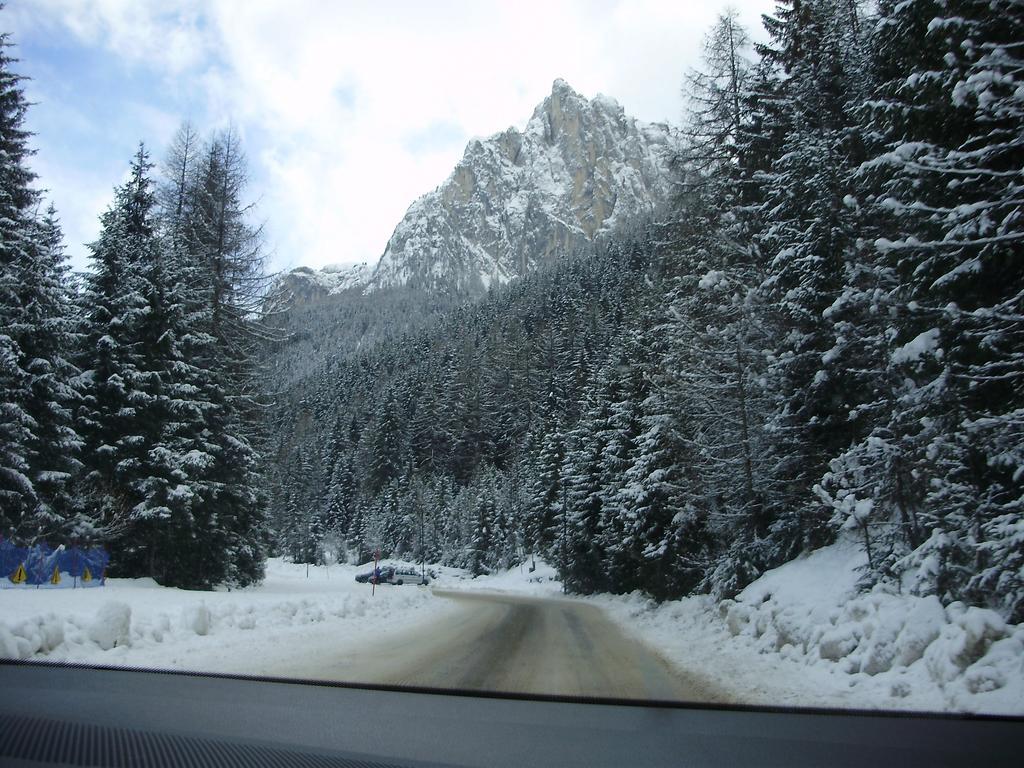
x,y
618,350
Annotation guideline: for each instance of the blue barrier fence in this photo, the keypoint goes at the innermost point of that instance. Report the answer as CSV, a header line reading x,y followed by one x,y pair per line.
x,y
41,565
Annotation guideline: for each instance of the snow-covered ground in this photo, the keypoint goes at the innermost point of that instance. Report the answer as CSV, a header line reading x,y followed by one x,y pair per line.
x,y
540,582
135,622
799,636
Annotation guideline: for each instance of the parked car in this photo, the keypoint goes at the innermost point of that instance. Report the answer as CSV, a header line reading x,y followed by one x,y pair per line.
x,y
366,578
387,574
408,576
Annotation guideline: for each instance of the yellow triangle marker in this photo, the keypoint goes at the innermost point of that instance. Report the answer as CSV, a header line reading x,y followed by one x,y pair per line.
x,y
86,575
19,576
55,579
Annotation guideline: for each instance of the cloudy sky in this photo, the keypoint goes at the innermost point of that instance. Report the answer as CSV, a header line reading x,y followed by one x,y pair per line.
x,y
348,111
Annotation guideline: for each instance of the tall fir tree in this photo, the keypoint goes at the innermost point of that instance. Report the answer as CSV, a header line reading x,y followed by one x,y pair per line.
x,y
942,191
49,347
38,444
812,65
172,483
112,416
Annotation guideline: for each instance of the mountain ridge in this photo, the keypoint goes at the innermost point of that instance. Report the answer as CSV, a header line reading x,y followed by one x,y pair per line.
x,y
581,170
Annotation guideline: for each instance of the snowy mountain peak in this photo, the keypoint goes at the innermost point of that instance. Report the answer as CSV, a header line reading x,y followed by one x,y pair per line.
x,y
560,86
563,109
303,285
581,170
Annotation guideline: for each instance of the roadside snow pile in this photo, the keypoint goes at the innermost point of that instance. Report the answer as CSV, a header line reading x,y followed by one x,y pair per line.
x,y
110,628
40,634
197,618
801,635
808,611
137,622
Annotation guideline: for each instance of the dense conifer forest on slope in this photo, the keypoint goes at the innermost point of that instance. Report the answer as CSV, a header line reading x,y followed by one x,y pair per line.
x,y
826,336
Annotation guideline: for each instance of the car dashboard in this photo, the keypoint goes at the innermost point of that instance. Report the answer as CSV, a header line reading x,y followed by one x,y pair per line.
x,y
60,715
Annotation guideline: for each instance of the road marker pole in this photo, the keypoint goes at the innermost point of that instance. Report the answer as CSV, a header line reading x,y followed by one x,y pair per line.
x,y
376,559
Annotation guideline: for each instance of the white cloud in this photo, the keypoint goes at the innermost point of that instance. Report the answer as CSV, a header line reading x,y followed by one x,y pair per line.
x,y
80,198
335,98
166,34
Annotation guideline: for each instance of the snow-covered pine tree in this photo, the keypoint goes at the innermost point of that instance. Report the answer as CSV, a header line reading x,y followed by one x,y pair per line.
x,y
662,496
130,354
715,96
178,529
48,347
718,325
949,118
382,446
584,568
480,549
716,364
172,482
341,495
470,443
177,189
872,485
629,362
547,495
496,393
428,438
38,445
812,64
228,264
507,538
114,306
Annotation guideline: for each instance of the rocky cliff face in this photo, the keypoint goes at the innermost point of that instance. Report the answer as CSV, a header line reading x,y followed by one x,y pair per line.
x,y
582,169
304,285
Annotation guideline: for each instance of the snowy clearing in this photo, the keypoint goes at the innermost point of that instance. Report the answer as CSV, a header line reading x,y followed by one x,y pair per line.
x,y
135,622
519,580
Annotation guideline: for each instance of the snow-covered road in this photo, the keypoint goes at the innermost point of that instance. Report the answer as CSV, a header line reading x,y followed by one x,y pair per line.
x,y
500,642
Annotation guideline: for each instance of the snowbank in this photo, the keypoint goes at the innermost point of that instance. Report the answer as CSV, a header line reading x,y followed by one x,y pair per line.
x,y
251,631
801,635
110,628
